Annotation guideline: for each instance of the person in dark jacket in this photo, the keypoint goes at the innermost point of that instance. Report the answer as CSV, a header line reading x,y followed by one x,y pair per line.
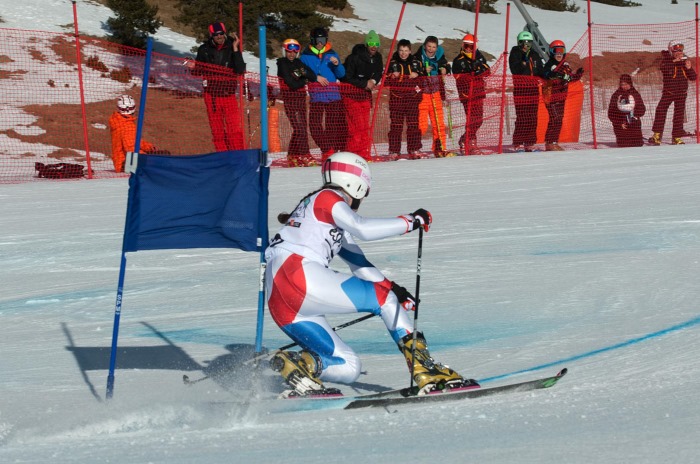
x,y
219,61
294,75
327,122
470,69
557,74
404,97
527,68
363,71
676,70
625,111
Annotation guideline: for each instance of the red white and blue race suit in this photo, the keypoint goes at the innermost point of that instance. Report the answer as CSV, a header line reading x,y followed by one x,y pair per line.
x,y
301,288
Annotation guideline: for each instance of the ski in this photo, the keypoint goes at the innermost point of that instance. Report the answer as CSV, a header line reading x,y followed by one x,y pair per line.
x,y
403,396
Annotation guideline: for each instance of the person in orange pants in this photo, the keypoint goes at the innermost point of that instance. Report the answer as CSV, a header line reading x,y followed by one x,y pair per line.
x,y
122,125
435,66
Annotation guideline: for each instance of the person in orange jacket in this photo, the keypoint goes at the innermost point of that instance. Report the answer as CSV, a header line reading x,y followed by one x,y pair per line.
x,y
122,125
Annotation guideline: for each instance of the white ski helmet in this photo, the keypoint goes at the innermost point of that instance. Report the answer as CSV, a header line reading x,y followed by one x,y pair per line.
x,y
675,46
348,171
126,104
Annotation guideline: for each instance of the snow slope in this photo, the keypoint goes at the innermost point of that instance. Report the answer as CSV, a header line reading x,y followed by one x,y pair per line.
x,y
587,260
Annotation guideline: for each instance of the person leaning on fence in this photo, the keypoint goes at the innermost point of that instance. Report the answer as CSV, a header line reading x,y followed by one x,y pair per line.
x,y
122,126
363,72
676,70
294,75
557,75
327,121
470,69
435,67
404,97
625,111
527,68
220,85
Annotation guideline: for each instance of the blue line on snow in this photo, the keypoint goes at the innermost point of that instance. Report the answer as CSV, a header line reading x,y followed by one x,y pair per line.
x,y
675,328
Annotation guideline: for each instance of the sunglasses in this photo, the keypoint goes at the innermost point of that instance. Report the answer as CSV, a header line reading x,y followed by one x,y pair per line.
x,y
292,47
372,44
217,34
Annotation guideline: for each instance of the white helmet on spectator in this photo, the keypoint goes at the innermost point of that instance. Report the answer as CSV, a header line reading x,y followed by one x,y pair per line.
x,y
349,172
126,104
675,46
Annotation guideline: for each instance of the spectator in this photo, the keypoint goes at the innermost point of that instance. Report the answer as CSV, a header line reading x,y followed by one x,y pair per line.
x,y
625,111
676,70
327,112
404,97
470,69
221,51
435,66
558,74
527,67
122,126
294,76
363,71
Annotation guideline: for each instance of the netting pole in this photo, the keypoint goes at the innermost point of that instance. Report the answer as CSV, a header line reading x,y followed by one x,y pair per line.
x,y
590,75
501,122
241,79
82,90
264,174
468,115
697,82
381,82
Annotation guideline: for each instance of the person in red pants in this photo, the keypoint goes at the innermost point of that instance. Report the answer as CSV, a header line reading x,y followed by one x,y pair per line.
x,y
363,71
219,61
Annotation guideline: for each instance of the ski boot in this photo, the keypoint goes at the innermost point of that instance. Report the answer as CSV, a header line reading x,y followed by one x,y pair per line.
x,y
301,370
473,149
655,139
677,141
428,374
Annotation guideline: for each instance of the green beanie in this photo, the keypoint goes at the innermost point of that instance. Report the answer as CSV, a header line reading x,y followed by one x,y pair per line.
x,y
372,38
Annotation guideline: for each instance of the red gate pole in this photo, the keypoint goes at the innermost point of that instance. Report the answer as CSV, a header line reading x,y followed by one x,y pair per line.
x,y
590,76
242,84
503,83
82,90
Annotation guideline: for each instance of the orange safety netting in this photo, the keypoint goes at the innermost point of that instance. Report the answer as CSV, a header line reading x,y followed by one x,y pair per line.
x,y
43,119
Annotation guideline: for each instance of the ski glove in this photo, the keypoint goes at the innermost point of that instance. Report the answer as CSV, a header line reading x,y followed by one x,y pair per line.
x,y
422,218
406,300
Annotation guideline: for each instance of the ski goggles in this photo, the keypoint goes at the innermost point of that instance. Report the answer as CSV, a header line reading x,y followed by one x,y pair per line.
x,y
467,45
292,47
525,43
559,50
372,44
677,48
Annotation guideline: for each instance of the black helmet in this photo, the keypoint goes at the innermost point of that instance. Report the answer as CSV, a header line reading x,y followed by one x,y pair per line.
x,y
318,33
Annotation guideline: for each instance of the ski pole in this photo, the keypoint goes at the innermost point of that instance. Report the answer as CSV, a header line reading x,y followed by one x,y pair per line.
x,y
415,309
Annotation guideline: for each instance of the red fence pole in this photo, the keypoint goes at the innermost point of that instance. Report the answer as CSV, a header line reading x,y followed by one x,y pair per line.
x,y
590,74
241,79
503,83
697,82
468,115
381,82
82,90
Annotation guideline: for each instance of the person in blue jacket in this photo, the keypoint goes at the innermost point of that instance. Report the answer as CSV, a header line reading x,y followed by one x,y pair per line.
x,y
327,121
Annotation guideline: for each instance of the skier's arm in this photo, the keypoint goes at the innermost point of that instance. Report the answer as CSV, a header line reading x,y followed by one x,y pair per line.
x,y
377,228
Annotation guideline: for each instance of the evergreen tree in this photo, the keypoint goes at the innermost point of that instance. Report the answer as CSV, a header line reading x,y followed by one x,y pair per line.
x,y
134,21
294,19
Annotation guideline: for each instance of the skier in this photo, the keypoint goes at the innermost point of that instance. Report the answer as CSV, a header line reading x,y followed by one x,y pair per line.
x,y
302,289
122,126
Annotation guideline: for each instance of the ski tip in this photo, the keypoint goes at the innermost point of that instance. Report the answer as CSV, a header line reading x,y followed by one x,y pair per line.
x,y
563,372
